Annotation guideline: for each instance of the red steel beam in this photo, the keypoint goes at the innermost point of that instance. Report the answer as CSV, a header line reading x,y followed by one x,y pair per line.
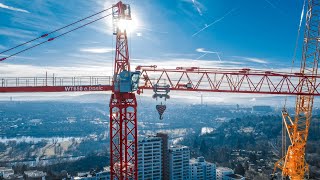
x,y
227,80
55,89
199,80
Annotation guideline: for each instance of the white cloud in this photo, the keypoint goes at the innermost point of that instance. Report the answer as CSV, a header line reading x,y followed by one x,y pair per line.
x,y
18,33
18,70
252,59
197,6
97,50
13,8
202,50
256,60
253,100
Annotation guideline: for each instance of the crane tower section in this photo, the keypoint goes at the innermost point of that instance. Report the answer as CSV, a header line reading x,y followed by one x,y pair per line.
x,y
293,164
123,104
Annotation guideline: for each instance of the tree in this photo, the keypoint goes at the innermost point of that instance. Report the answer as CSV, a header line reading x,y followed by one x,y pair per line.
x,y
239,169
203,147
246,165
253,157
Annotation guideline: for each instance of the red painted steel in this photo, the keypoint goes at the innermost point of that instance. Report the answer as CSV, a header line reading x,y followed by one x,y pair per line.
x,y
55,89
55,84
123,111
226,80
179,79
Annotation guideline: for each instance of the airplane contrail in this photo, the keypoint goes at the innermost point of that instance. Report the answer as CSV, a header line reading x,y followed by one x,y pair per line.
x,y
202,56
270,4
201,50
210,53
302,14
197,7
214,22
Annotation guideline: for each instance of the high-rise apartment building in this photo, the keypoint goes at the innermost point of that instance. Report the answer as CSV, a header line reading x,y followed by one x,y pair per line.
x,y
179,157
165,155
222,172
202,170
149,158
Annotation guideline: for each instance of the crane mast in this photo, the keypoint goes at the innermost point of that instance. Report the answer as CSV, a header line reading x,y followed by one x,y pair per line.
x,y
293,164
123,104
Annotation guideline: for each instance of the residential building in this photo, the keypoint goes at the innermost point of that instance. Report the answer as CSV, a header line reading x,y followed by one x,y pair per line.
x,y
221,173
35,175
5,172
104,175
179,157
202,170
149,158
165,155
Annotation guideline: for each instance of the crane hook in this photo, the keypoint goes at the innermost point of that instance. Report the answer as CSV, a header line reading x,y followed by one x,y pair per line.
x,y
161,108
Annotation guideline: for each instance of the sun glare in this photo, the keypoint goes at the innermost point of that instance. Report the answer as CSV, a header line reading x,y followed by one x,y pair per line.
x,y
129,25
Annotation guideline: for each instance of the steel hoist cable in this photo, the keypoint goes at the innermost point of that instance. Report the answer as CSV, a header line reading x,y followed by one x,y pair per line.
x,y
58,36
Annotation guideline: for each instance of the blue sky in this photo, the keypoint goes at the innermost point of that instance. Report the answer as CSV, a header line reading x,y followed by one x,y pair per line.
x,y
259,34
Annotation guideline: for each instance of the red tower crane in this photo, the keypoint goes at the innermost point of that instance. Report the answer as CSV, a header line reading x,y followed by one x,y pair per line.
x,y
124,83
123,105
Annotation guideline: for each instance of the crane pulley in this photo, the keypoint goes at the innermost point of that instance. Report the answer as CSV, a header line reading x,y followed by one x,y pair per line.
x,y
161,91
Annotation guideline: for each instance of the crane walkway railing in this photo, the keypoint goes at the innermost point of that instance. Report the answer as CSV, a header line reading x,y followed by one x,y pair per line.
x,y
55,81
55,84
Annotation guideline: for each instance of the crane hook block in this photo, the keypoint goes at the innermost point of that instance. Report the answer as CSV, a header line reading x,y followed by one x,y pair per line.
x,y
161,108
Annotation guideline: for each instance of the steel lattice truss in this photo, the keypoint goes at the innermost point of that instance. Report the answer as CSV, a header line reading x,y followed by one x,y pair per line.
x,y
228,80
200,79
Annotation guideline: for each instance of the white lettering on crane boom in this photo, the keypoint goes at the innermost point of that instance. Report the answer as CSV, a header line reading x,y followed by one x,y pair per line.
x,y
83,88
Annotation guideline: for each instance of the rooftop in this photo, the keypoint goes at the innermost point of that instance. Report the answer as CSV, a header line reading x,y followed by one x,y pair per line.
x,y
149,138
198,160
35,173
178,148
223,169
5,168
235,176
